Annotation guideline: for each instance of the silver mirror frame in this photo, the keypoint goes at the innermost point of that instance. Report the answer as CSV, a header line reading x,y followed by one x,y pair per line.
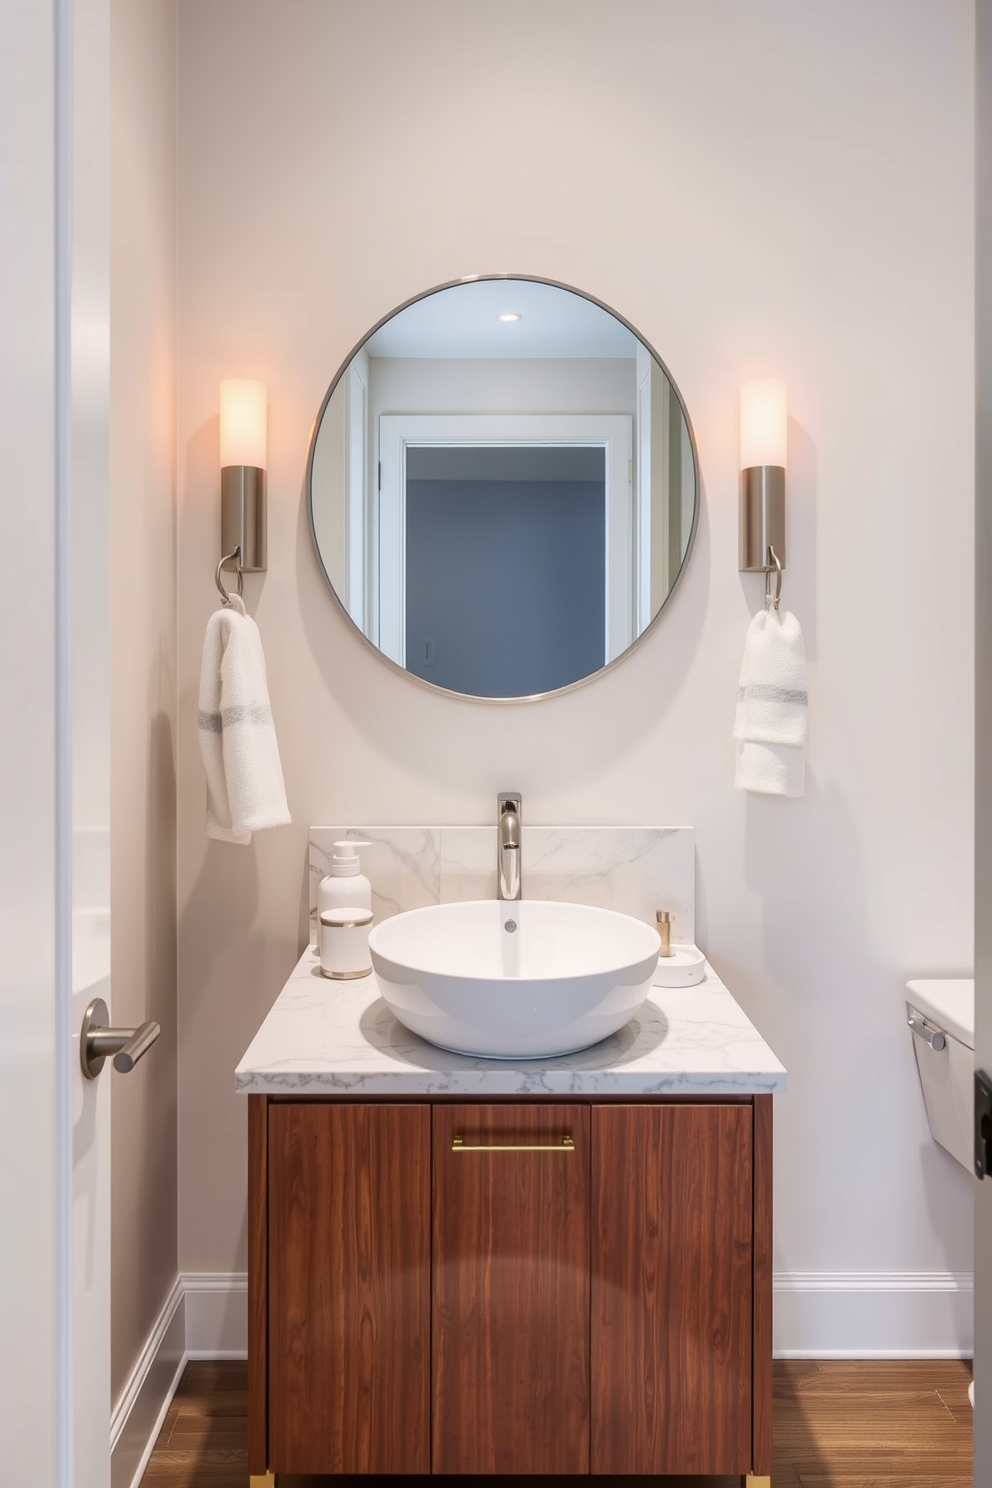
x,y
534,697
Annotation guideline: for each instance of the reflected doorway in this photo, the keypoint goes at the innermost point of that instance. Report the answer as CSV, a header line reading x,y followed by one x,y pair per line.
x,y
506,565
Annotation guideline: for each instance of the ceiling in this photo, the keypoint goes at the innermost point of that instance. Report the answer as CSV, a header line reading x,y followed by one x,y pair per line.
x,y
462,321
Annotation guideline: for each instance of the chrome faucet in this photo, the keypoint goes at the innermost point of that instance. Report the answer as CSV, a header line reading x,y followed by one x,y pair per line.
x,y
508,850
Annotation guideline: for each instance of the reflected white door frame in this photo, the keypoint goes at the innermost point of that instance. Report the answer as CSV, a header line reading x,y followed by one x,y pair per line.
x,y
646,459
610,431
356,504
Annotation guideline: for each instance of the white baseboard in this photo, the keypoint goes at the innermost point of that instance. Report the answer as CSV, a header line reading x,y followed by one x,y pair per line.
x,y
205,1316
139,1413
818,1315
216,1314
874,1315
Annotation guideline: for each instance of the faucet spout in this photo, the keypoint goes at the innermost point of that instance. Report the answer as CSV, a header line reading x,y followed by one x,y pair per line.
x,y
508,846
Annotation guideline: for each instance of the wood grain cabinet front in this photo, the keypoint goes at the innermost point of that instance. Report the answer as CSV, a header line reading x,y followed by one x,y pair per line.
x,y
671,1289
349,1288
510,1287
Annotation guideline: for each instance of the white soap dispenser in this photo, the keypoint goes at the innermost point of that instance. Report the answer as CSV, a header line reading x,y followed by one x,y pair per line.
x,y
346,886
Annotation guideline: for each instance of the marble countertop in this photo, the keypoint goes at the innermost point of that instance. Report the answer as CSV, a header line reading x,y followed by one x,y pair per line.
x,y
325,1037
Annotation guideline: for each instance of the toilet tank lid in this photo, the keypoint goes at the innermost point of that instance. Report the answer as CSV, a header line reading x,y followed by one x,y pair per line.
x,y
949,1002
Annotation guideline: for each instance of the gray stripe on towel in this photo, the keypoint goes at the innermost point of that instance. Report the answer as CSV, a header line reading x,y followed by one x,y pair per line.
x,y
216,723
246,713
767,692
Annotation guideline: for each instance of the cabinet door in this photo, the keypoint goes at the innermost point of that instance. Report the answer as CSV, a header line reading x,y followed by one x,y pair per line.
x,y
671,1289
511,1289
349,1288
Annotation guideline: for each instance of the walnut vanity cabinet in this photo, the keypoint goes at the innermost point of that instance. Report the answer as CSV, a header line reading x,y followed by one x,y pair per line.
x,y
348,1287
672,1304
510,1287
511,1210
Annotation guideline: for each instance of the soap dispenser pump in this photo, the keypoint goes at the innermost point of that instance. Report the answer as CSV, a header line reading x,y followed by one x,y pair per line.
x,y
346,886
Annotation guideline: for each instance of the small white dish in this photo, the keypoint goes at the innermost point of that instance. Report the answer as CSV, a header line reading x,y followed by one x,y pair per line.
x,y
685,967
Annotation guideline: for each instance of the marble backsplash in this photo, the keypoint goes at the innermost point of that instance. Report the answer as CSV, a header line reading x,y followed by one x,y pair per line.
x,y
635,869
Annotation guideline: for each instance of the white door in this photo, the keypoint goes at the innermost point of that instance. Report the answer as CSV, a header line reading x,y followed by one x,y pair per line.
x,y
983,741
982,1473
54,860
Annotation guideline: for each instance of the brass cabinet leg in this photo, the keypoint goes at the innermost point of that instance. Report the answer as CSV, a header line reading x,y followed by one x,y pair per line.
x,y
750,1481
268,1480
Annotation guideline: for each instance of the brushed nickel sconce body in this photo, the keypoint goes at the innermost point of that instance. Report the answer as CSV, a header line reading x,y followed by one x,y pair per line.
x,y
242,517
762,518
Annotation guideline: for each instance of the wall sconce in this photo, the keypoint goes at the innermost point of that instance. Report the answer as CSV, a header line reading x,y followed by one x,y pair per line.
x,y
764,443
242,478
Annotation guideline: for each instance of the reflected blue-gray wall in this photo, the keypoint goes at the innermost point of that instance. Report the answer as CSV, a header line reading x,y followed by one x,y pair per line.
x,y
505,583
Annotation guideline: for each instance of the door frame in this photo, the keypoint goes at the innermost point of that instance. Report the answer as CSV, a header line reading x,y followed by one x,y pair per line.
x,y
396,432
983,718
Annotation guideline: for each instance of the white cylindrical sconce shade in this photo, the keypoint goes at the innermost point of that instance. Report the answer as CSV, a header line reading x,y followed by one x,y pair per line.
x,y
764,423
243,461
243,423
764,454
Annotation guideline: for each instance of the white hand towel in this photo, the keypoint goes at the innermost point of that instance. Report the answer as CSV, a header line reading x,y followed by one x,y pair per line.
x,y
245,788
772,704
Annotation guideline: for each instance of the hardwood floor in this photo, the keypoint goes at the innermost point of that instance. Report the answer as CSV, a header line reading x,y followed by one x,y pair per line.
x,y
837,1425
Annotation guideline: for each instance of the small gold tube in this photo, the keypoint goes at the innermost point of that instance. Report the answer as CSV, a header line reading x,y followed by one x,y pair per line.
x,y
664,920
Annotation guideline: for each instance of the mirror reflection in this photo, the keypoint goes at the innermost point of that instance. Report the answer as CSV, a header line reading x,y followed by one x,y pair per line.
x,y
502,487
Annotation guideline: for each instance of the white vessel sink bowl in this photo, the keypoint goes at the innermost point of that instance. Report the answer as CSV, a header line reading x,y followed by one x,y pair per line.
x,y
565,977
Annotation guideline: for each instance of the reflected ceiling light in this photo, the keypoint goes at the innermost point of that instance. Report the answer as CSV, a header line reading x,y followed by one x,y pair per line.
x,y
508,316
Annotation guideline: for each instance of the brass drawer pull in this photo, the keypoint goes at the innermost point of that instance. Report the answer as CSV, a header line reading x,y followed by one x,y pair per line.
x,y
458,1144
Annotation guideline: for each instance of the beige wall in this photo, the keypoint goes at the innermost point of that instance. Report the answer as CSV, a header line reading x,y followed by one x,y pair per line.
x,y
143,660
768,188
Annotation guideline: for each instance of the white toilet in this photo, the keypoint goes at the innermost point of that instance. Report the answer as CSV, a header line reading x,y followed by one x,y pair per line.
x,y
942,1017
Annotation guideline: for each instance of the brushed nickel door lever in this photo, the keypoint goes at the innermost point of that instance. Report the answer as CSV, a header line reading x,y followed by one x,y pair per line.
x,y
98,1041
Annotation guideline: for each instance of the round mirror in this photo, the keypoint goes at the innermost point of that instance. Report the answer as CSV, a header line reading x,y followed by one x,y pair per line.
x,y
502,487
